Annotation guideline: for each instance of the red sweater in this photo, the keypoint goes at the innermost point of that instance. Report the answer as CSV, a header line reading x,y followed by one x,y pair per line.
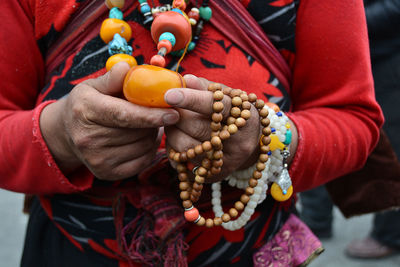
x,y
333,102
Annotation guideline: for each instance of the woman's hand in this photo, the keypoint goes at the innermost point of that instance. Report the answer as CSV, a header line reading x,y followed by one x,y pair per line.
x,y
194,104
115,139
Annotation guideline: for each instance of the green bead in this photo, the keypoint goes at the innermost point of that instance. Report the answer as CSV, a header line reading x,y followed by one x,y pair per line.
x,y
288,137
142,1
192,45
205,13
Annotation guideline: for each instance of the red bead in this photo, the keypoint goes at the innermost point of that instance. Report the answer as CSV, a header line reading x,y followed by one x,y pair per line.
x,y
174,23
194,15
158,60
179,4
165,43
192,215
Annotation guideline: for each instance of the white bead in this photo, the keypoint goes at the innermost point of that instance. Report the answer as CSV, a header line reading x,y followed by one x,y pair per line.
x,y
216,201
252,204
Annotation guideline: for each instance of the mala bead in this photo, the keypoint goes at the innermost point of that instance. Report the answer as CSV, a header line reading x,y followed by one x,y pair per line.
x,y
114,59
233,212
232,129
190,153
209,223
225,217
217,221
252,97
110,27
184,195
244,199
192,214
212,87
218,107
187,204
146,85
183,177
207,146
236,101
218,95
174,23
197,187
230,120
217,117
198,149
224,134
246,105
218,154
115,3
235,112
240,122
257,174
239,205
245,114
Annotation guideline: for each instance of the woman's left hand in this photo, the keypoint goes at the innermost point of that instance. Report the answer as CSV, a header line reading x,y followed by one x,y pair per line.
x,y
194,104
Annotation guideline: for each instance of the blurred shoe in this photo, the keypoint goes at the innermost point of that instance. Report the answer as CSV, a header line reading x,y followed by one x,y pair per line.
x,y
368,248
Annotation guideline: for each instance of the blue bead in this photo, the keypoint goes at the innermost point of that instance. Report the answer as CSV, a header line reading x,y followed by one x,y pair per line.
x,y
168,36
116,13
273,130
177,10
284,192
145,8
279,114
269,153
118,45
192,45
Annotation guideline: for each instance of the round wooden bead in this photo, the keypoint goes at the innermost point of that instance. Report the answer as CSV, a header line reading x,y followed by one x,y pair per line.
x,y
217,117
264,149
266,131
257,174
192,214
225,217
218,154
214,87
236,101
187,204
235,112
246,105
171,154
235,92
230,120
259,103
264,112
198,149
240,122
249,191
244,97
201,221
115,3
183,186
183,157
265,122
232,129
193,198
214,133
233,212
244,199
206,163
198,187
216,141
209,223
245,114
199,179
224,134
218,95
177,157
263,157
184,195
215,126
190,153
260,166
227,90
239,205
252,97
196,194
183,177
206,146
201,171
253,182
218,107
217,221
218,163
266,140
181,168
215,170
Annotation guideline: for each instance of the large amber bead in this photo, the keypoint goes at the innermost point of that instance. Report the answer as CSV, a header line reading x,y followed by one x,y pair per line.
x,y
146,85
110,27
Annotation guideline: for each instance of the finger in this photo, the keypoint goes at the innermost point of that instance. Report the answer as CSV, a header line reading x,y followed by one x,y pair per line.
x,y
195,82
194,124
123,136
111,82
179,140
195,100
111,111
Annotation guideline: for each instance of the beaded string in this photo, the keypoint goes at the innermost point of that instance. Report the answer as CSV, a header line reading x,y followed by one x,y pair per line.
x,y
212,162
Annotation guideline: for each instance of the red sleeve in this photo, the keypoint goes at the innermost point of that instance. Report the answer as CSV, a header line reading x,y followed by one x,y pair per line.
x,y
26,164
334,103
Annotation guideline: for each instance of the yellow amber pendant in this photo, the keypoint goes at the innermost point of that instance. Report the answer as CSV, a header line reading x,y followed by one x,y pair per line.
x,y
277,193
275,143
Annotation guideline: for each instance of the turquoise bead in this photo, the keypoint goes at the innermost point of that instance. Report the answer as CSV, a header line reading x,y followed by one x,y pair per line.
x,y
142,1
116,13
192,45
168,36
288,137
145,8
177,10
205,13
118,45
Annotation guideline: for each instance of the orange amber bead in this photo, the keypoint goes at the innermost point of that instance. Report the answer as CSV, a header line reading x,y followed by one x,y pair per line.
x,y
111,61
146,85
175,23
115,3
112,26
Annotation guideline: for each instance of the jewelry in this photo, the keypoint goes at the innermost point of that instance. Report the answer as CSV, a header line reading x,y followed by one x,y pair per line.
x,y
212,162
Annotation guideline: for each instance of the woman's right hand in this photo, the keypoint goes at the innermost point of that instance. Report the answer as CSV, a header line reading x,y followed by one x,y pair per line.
x,y
113,138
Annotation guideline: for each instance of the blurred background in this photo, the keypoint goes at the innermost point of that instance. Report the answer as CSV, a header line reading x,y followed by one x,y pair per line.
x,y
13,222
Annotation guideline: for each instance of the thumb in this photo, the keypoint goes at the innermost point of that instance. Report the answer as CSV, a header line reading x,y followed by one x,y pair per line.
x,y
110,83
195,82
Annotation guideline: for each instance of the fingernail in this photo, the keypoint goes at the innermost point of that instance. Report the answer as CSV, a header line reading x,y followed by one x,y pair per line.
x,y
173,97
170,118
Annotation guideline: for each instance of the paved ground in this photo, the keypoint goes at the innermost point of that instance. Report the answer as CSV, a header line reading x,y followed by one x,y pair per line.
x,y
13,222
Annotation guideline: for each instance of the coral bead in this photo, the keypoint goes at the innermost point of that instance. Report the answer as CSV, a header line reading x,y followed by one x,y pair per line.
x,y
158,60
174,23
191,215
112,26
166,44
277,193
120,58
179,4
115,3
146,85
194,14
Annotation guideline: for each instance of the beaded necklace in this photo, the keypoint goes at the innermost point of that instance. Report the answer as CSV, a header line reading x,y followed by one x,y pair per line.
x,y
171,29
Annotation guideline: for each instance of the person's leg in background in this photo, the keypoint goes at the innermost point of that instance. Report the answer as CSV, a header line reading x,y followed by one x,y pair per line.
x,y
316,211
